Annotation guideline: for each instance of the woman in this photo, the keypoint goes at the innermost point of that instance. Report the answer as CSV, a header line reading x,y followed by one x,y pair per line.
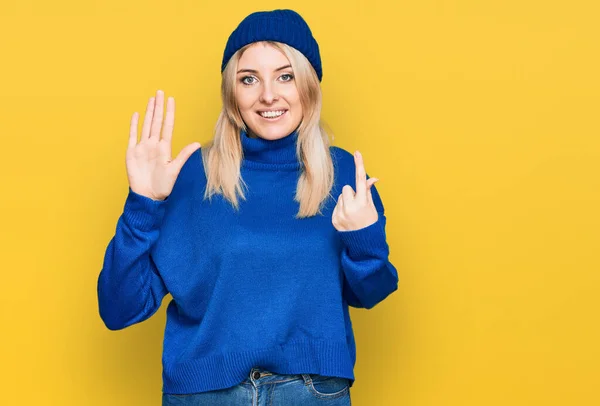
x,y
247,235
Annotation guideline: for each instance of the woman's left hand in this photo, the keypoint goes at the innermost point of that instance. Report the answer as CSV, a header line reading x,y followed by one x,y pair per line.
x,y
354,211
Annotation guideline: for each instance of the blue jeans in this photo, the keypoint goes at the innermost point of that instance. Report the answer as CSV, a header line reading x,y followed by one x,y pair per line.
x,y
271,389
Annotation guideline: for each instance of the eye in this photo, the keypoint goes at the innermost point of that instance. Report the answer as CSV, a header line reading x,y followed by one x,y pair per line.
x,y
243,80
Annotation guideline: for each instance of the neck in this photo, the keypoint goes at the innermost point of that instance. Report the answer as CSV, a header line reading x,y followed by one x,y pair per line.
x,y
278,154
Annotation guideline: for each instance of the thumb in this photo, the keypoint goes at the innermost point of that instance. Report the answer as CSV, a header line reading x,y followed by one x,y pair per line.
x,y
371,181
185,153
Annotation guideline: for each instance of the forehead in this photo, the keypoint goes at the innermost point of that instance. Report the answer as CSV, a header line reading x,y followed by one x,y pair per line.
x,y
262,56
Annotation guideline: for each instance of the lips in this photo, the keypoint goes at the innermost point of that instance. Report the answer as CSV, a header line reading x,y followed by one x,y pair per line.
x,y
273,118
263,111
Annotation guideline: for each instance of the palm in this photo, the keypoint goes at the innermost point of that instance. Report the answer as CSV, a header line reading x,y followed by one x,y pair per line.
x,y
150,169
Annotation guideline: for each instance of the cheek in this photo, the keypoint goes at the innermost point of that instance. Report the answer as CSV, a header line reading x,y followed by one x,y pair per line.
x,y
245,99
294,100
297,106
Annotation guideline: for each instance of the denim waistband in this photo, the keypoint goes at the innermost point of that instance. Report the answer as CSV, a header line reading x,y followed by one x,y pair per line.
x,y
267,376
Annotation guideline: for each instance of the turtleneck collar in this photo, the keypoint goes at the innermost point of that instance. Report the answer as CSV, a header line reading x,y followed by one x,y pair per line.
x,y
275,154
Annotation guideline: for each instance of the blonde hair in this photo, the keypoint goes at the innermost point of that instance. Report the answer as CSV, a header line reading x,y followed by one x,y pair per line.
x,y
223,155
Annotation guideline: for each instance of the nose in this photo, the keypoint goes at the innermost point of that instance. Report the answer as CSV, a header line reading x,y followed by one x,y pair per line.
x,y
268,94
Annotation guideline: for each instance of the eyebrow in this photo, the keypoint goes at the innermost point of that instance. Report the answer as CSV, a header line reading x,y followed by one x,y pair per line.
x,y
254,71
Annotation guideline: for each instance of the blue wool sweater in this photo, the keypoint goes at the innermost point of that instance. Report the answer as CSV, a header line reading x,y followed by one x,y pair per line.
x,y
254,288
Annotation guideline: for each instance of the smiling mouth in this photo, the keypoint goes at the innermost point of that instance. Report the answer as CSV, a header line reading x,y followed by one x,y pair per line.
x,y
273,118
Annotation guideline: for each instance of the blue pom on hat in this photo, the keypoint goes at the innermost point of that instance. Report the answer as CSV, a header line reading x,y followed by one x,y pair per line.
x,y
282,25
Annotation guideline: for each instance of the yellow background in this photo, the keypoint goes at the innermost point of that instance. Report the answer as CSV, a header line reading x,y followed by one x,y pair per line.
x,y
479,117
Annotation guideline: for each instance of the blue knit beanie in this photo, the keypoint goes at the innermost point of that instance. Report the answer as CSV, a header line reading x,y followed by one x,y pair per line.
x,y
285,26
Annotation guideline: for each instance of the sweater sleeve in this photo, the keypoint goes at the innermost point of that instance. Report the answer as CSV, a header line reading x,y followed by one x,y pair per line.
x,y
130,289
369,275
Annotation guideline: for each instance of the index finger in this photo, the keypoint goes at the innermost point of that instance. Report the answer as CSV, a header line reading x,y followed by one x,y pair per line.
x,y
361,176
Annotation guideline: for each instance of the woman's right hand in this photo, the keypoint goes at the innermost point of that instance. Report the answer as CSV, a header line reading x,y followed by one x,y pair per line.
x,y
150,169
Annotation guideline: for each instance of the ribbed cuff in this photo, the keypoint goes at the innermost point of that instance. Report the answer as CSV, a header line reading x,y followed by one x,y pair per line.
x,y
143,213
366,242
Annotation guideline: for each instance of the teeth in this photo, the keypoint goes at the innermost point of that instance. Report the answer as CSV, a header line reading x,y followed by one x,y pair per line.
x,y
271,114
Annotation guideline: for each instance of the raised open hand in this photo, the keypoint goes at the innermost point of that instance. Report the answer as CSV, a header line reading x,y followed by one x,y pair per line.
x,y
150,170
354,211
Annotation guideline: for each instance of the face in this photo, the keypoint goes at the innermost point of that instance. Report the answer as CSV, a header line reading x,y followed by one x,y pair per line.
x,y
265,88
